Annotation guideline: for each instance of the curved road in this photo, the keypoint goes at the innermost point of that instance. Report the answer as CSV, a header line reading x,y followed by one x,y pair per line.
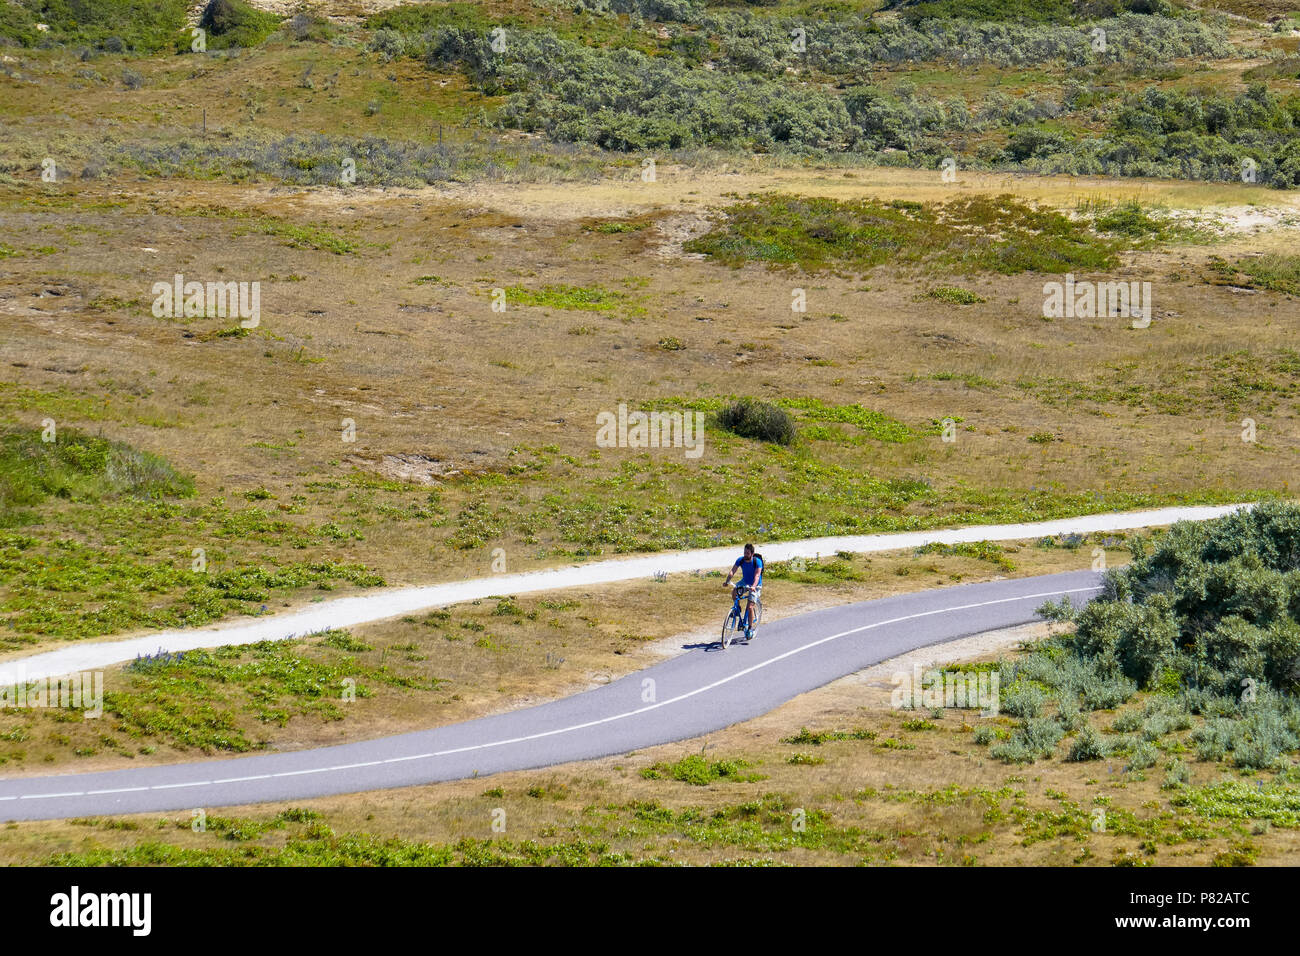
x,y
692,694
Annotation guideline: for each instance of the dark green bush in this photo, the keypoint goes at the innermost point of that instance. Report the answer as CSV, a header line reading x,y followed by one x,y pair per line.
x,y
235,23
751,418
1213,604
1206,618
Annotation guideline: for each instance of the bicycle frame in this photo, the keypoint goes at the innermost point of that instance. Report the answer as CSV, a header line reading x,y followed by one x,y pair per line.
x,y
744,613
742,617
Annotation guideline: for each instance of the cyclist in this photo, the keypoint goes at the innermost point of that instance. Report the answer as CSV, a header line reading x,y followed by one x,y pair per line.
x,y
750,566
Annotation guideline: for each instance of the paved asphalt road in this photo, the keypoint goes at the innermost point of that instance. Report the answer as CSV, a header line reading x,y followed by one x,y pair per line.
x,y
697,692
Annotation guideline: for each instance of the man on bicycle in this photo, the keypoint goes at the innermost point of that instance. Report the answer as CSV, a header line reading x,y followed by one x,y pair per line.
x,y
750,566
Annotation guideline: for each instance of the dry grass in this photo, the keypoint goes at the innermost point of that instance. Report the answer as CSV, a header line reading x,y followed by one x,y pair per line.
x,y
431,375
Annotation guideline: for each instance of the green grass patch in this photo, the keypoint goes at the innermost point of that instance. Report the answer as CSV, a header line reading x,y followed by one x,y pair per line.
x,y
979,234
979,550
810,417
307,237
419,18
142,26
816,738
954,295
699,772
870,423
65,588
579,298
319,846
1135,221
1019,11
1272,272
813,572
196,699
1244,800
804,759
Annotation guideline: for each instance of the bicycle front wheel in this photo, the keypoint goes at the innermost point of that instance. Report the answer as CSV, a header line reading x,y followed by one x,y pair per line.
x,y
729,629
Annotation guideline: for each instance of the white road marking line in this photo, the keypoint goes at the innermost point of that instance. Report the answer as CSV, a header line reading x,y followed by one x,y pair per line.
x,y
174,786
49,796
93,793
591,723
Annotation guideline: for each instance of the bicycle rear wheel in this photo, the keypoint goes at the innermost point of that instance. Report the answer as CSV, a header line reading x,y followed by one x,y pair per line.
x,y
729,628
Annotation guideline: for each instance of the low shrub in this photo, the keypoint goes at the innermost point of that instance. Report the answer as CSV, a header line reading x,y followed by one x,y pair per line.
x,y
751,418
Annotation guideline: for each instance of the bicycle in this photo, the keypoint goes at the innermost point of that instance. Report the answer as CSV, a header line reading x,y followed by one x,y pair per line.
x,y
736,616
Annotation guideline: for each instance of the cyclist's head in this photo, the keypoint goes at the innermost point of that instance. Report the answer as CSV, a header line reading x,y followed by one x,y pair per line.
x,y
749,551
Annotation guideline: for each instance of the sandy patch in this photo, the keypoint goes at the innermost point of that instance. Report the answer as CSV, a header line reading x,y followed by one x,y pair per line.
x,y
672,233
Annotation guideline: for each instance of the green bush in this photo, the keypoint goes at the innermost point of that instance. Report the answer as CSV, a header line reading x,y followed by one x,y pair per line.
x,y
1214,603
1035,739
1069,715
985,734
1177,774
1143,756
1088,745
750,418
621,97
1023,700
79,467
1205,617
1127,722
234,23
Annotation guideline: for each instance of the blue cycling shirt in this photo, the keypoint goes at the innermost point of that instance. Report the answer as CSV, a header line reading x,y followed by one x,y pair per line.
x,y
748,572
